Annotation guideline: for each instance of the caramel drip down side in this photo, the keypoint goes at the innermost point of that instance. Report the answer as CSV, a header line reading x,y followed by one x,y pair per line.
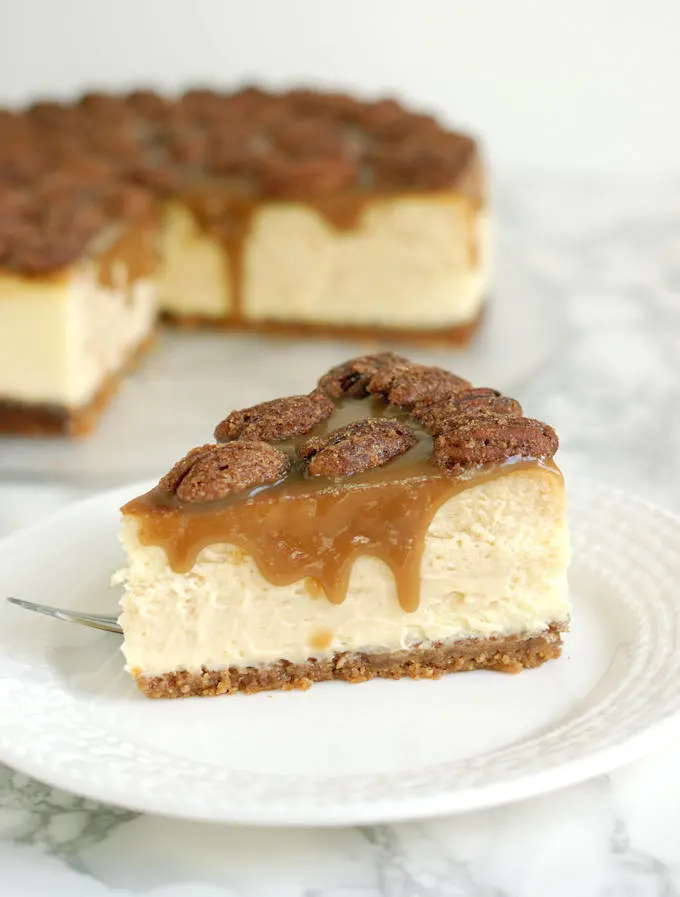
x,y
301,530
226,212
131,256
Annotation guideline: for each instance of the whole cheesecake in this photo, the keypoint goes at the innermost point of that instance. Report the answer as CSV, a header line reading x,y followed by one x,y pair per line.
x,y
395,521
302,212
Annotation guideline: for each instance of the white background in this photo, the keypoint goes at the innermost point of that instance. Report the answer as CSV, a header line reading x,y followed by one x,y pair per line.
x,y
590,85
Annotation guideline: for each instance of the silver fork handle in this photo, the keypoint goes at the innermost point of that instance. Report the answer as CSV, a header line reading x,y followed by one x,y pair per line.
x,y
94,621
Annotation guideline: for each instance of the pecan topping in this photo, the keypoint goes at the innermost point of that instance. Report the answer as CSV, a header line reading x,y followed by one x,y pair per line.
x,y
418,164
147,103
377,116
308,138
486,438
404,384
352,377
187,147
162,179
315,176
230,150
276,420
359,446
303,144
442,415
211,472
129,202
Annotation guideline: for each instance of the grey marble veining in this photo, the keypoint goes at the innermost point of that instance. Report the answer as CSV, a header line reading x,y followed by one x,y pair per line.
x,y
592,269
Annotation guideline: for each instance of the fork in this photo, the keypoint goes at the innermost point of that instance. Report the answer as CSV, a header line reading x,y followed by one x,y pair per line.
x,y
94,621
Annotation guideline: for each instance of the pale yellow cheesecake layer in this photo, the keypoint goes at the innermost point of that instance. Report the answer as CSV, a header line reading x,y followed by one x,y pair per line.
x,y
494,564
63,336
413,262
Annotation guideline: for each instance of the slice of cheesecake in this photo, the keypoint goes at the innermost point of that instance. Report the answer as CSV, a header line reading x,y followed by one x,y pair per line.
x,y
393,522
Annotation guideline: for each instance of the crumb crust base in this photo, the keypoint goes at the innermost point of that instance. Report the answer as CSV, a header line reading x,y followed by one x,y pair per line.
x,y
43,420
509,654
458,335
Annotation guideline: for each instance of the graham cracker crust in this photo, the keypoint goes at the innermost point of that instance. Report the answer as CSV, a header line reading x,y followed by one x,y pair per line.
x,y
507,655
47,420
460,335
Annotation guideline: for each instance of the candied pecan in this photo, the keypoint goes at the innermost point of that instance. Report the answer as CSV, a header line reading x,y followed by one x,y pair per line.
x,y
359,446
42,254
105,106
186,146
417,164
338,106
53,115
128,201
379,115
171,480
148,103
84,171
63,146
13,123
15,233
309,138
405,384
68,215
443,414
211,472
408,126
116,142
202,107
276,420
23,162
161,179
487,438
316,176
245,103
351,377
15,203
228,150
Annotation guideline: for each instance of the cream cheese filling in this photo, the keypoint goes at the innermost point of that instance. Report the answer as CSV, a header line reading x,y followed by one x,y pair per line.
x,y
412,262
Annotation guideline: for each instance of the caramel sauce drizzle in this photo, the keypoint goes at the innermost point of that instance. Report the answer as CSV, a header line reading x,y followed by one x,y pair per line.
x,y
227,211
313,529
132,251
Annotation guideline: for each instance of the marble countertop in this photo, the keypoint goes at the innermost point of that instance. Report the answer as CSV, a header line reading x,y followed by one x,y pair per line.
x,y
585,331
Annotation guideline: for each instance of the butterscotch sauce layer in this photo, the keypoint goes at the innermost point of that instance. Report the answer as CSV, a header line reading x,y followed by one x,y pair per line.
x,y
314,528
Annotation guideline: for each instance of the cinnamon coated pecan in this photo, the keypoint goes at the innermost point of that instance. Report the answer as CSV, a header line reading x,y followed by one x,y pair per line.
x,y
404,384
308,138
428,165
315,176
359,446
211,472
486,438
443,414
275,420
351,378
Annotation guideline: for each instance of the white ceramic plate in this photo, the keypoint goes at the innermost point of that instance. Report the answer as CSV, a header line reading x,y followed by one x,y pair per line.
x,y
341,754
